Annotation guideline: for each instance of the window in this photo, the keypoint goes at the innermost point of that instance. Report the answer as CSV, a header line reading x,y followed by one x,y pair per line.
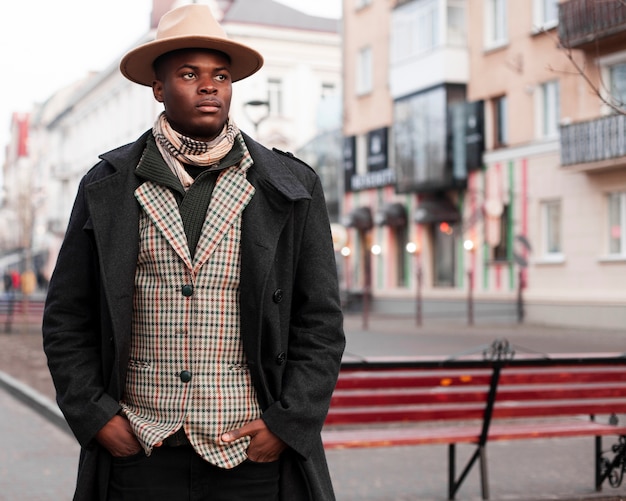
x,y
549,111
401,239
617,84
501,250
419,139
551,230
328,90
617,223
364,71
275,96
496,28
500,122
546,13
425,32
456,24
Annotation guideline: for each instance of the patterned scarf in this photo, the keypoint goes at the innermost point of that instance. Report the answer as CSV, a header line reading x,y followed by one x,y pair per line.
x,y
177,149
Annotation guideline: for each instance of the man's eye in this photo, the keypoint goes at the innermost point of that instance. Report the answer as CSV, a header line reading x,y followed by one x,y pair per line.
x,y
221,78
189,75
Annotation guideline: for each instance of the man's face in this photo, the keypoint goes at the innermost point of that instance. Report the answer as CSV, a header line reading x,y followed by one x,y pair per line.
x,y
195,87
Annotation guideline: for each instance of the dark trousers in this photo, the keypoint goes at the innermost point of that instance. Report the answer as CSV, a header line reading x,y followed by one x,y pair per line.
x,y
179,474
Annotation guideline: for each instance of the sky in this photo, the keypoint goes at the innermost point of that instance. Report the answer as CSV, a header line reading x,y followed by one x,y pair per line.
x,y
48,44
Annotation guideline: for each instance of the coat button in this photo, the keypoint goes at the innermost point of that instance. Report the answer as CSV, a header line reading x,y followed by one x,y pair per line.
x,y
187,290
280,358
277,297
185,376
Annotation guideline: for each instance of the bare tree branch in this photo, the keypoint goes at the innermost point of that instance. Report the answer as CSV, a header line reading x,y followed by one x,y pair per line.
x,y
600,90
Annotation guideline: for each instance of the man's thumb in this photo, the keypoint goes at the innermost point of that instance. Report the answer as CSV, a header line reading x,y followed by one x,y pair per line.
x,y
230,436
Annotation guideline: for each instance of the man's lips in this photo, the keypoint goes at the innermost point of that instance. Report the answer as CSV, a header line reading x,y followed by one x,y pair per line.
x,y
209,105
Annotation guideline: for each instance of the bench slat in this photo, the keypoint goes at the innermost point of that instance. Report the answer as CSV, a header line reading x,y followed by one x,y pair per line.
x,y
338,438
407,396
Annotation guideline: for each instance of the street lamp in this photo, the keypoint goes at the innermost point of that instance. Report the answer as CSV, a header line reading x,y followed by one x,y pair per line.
x,y
346,252
256,111
414,249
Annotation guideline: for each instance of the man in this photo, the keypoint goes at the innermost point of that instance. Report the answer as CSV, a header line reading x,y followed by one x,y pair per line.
x,y
192,324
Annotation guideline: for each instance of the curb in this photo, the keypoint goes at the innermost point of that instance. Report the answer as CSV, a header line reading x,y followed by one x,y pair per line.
x,y
35,400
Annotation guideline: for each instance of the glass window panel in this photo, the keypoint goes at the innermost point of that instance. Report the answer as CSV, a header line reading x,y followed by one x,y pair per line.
x,y
550,109
553,227
364,71
618,83
616,223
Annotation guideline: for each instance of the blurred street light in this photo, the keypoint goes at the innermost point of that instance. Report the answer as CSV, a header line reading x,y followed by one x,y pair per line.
x,y
256,111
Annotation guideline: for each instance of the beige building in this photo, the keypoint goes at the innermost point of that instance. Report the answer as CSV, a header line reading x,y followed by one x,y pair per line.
x,y
405,70
554,180
533,230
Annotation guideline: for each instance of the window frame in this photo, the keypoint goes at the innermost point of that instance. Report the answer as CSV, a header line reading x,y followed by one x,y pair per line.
x,y
496,23
621,223
606,64
500,122
275,96
548,107
548,231
541,19
365,71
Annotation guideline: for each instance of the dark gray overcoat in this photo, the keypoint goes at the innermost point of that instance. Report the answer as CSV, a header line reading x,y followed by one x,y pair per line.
x,y
291,321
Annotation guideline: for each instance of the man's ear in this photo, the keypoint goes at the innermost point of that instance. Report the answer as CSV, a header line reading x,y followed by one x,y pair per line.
x,y
157,90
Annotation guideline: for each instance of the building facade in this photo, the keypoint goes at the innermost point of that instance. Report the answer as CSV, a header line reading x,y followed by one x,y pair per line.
x,y
407,155
553,212
504,176
291,101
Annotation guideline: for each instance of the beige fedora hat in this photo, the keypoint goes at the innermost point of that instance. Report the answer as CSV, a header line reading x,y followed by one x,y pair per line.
x,y
189,27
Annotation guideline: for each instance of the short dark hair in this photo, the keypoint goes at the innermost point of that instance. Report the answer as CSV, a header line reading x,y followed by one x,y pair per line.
x,y
160,61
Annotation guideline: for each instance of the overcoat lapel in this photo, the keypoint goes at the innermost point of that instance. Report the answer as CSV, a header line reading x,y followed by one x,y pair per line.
x,y
263,224
114,218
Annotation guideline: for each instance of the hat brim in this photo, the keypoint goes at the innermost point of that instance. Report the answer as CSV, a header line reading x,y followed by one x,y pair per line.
x,y
136,65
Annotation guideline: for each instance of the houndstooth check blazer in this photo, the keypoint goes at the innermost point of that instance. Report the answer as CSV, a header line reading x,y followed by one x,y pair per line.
x,y
187,367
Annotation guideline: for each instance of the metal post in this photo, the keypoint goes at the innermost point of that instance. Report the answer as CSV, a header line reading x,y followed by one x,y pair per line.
x,y
366,290
418,299
520,298
470,297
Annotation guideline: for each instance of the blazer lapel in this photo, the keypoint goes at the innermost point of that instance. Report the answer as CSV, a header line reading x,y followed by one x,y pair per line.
x,y
231,195
160,206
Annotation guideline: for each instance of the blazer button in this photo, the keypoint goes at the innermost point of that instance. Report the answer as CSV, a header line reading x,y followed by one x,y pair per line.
x,y
187,290
280,358
185,376
277,297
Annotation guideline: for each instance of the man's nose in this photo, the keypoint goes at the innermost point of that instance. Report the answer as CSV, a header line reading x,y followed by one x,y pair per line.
x,y
207,86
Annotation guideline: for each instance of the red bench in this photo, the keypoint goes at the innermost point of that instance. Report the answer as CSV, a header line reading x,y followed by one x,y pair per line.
x,y
479,401
20,311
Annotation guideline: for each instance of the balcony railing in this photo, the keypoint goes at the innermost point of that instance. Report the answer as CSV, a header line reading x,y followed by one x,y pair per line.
x,y
584,21
593,141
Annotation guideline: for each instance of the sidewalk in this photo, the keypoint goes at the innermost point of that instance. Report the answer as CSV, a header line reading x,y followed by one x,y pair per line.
x,y
38,459
399,336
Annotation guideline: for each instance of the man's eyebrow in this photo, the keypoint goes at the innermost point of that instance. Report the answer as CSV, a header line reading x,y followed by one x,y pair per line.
x,y
196,68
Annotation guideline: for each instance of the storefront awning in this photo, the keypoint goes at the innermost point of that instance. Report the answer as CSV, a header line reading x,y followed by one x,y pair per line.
x,y
393,214
436,210
359,218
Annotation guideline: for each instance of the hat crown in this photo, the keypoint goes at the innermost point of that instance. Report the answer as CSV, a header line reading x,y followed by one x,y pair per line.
x,y
189,27
189,20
